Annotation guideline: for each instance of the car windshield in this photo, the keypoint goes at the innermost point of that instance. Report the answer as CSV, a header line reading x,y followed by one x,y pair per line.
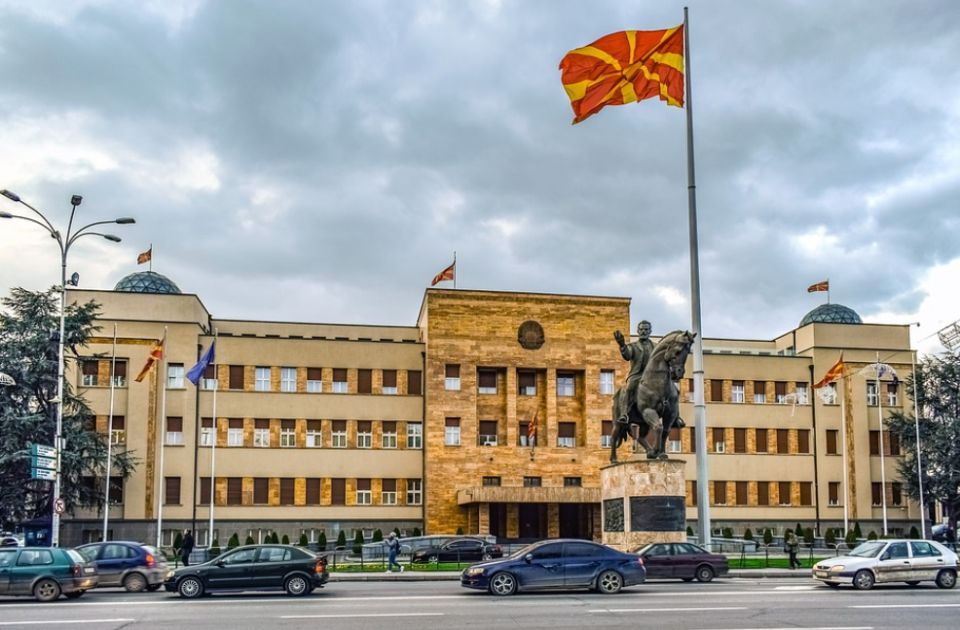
x,y
868,550
76,557
524,550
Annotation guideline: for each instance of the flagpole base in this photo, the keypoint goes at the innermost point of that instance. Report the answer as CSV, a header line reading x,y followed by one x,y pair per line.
x,y
644,501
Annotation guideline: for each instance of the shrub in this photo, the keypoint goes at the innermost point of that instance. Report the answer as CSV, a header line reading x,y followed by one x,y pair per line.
x,y
767,536
342,539
914,532
727,532
689,531
851,538
234,541
808,536
416,531
872,535
178,541
459,531
358,542
274,539
856,530
285,540
396,530
249,540
322,541
215,548
377,535
798,530
747,534
830,537
303,540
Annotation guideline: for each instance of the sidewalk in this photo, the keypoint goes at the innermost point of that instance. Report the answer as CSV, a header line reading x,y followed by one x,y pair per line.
x,y
441,576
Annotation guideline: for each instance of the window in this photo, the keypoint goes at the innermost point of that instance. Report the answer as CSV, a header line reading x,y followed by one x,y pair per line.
x,y
414,435
691,389
388,492
414,382
314,434
339,380
274,554
896,490
235,432
739,440
783,441
829,394
526,383
451,432
118,430
313,492
803,440
802,394
567,434
234,491
204,491
741,492
364,434
364,381
606,382
891,393
452,380
390,382
572,482
209,380
236,377
120,374
693,492
488,433
762,441
566,384
806,493
832,441
784,492
486,381
693,439
171,490
673,441
606,428
174,434
174,375
719,441
893,440
89,371
364,494
759,391
287,490
314,380
872,397
338,491
338,434
288,433
876,493
388,438
763,493
736,392
261,491
414,491
206,432
261,433
491,482
833,493
716,390
780,392
261,379
720,492
34,557
874,442
532,482
288,379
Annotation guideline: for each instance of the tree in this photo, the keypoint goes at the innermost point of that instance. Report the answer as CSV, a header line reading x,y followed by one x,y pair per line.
x,y
322,541
178,540
303,540
285,540
936,389
689,531
856,530
358,542
798,530
377,535
215,548
767,536
29,335
872,535
748,534
459,531
249,540
416,531
727,532
808,536
274,539
914,532
830,537
234,541
851,537
396,530
342,539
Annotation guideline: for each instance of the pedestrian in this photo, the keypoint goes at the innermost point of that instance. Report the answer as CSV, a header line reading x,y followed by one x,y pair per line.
x,y
186,547
790,544
393,548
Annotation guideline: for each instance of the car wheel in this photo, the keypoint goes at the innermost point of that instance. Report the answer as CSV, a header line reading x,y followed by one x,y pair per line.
x,y
912,582
503,583
134,583
190,587
433,558
296,585
74,595
863,580
46,591
704,573
486,556
609,582
946,579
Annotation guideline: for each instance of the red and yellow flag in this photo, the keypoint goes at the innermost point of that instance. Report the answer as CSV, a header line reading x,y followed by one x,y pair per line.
x,y
622,68
156,354
833,374
146,256
820,286
447,274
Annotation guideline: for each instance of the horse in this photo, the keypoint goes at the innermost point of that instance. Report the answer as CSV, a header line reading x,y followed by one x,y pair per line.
x,y
657,402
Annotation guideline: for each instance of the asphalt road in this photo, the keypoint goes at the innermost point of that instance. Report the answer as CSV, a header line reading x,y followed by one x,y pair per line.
x,y
731,604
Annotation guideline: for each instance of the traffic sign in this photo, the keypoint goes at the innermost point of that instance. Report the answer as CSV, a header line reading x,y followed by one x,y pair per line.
x,y
59,506
44,462
40,450
43,473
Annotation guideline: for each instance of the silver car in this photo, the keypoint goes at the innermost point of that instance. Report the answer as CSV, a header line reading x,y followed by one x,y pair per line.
x,y
880,561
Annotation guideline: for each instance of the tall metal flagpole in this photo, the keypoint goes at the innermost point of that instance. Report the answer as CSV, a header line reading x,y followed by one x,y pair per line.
x,y
454,269
699,406
843,449
883,473
916,422
106,490
213,446
162,424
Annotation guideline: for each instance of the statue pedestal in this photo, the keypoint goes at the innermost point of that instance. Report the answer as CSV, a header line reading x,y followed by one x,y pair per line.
x,y
644,501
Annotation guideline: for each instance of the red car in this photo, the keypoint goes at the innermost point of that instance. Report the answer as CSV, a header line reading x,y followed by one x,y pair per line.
x,y
682,560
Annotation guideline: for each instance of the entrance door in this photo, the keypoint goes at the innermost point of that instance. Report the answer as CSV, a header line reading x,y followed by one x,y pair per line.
x,y
498,520
574,521
533,520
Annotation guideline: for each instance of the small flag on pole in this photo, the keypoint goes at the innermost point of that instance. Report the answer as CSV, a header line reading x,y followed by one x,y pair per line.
x,y
156,354
196,372
146,256
833,374
820,286
450,273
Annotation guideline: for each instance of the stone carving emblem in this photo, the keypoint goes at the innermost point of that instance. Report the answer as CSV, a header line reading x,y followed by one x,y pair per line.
x,y
530,335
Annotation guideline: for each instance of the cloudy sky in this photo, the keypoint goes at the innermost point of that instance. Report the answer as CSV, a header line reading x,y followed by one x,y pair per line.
x,y
322,160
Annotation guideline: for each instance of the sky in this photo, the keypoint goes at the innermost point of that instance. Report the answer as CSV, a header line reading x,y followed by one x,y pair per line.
x,y
321,161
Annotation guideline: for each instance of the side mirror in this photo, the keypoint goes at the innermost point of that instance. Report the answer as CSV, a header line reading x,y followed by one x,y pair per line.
x,y
885,556
528,558
219,563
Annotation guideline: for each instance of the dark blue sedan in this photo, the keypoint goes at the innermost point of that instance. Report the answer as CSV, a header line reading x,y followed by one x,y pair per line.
x,y
557,564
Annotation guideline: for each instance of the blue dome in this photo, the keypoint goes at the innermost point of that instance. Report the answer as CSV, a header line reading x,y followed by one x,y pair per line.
x,y
831,314
147,282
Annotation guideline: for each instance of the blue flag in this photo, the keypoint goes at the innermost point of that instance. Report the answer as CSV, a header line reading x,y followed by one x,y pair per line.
x,y
196,372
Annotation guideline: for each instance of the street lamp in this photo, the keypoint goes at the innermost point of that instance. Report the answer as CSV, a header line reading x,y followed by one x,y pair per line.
x,y
64,242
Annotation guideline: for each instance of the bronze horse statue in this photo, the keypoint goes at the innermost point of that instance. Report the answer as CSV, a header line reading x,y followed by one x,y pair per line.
x,y
657,405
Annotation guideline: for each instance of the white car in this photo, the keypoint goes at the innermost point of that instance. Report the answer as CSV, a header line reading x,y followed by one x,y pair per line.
x,y
879,561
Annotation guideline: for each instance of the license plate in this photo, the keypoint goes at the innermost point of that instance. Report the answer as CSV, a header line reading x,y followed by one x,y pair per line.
x,y
88,570
822,574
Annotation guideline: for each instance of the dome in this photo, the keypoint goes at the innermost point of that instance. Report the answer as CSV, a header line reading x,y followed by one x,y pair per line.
x,y
147,282
831,314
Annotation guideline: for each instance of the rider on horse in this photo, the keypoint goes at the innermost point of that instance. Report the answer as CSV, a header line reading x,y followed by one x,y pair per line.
x,y
638,353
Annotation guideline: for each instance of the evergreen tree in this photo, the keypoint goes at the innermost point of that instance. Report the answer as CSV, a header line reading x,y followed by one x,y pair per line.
x,y
830,537
459,531
808,536
914,532
358,542
727,532
29,335
342,539
178,540
285,540
856,530
689,531
322,541
377,535
872,535
416,531
748,535
215,548
767,536
274,539
396,530
798,530
249,540
234,541
851,537
303,540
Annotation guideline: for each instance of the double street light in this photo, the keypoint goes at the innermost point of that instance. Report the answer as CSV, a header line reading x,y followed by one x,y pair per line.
x,y
64,242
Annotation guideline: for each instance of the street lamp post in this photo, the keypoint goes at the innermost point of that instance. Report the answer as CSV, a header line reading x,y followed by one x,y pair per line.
x,y
64,242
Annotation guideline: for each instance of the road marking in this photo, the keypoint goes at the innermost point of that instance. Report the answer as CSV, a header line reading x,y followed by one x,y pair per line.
x,y
808,587
63,621
362,615
907,606
795,628
645,610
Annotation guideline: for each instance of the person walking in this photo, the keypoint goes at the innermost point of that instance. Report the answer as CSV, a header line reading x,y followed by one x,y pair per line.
x,y
393,548
186,547
791,543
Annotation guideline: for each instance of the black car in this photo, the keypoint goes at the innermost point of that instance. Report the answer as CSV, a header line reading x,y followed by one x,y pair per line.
x,y
682,560
557,564
131,565
254,567
459,550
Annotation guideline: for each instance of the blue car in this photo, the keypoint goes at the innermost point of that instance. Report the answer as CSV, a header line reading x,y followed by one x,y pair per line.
x,y
557,564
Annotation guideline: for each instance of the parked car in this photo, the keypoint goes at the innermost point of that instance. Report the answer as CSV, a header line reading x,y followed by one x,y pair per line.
x,y
131,565
910,561
685,561
9,540
943,533
45,573
412,544
254,567
557,564
458,550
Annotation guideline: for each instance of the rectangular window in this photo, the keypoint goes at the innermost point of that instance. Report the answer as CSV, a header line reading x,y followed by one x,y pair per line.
x,y
235,432
414,491
719,440
390,382
89,370
314,433
491,482
802,395
526,383
388,438
452,378
175,376
288,379
414,382
115,491
171,490
414,435
673,441
780,392
833,493
691,390
120,374
832,442
736,392
261,491
364,494
693,492
486,381
338,491
234,491
313,491
891,393
364,381
759,391
209,379
872,397
338,434
896,490
287,490
876,493
762,441
204,498
606,382
572,482
806,493
488,433
829,394
893,442
118,429
803,441
567,434
261,433
451,432
261,379
739,440
606,428
783,441
763,493
741,491
388,492
784,491
315,380
720,492
288,433
566,384
716,390
174,434
693,439
532,482
339,380
236,377
206,432
874,442
364,434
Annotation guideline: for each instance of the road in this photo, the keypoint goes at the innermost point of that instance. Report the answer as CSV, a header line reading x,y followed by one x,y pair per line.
x,y
732,604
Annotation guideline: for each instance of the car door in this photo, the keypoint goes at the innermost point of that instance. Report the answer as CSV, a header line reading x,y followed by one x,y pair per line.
x,y
658,561
271,565
581,563
460,551
111,563
541,568
233,570
893,565
30,564
8,558
926,560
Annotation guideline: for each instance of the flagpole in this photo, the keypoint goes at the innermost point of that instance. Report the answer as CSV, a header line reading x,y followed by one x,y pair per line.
x,y
916,423
843,448
883,474
454,269
161,486
828,290
150,268
106,490
699,406
213,447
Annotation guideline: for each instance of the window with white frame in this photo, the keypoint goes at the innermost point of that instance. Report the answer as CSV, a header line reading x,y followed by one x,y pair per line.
x,y
486,381
414,491
414,435
288,433
488,433
719,440
261,379
388,492
526,383
261,433
339,380
209,380
174,434
388,437
452,378
802,394
88,373
829,394
174,375
389,383
565,384
118,429
364,493
451,432
288,379
364,434
759,391
872,398
338,434
206,432
119,373
606,382
315,380
891,394
736,392
235,432
567,434
314,434
673,441
606,428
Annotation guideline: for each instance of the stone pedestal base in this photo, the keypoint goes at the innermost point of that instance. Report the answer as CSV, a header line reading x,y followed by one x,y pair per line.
x,y
644,501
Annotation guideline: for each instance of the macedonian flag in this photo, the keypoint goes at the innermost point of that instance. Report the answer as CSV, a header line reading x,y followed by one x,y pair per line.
x,y
156,355
622,68
833,374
